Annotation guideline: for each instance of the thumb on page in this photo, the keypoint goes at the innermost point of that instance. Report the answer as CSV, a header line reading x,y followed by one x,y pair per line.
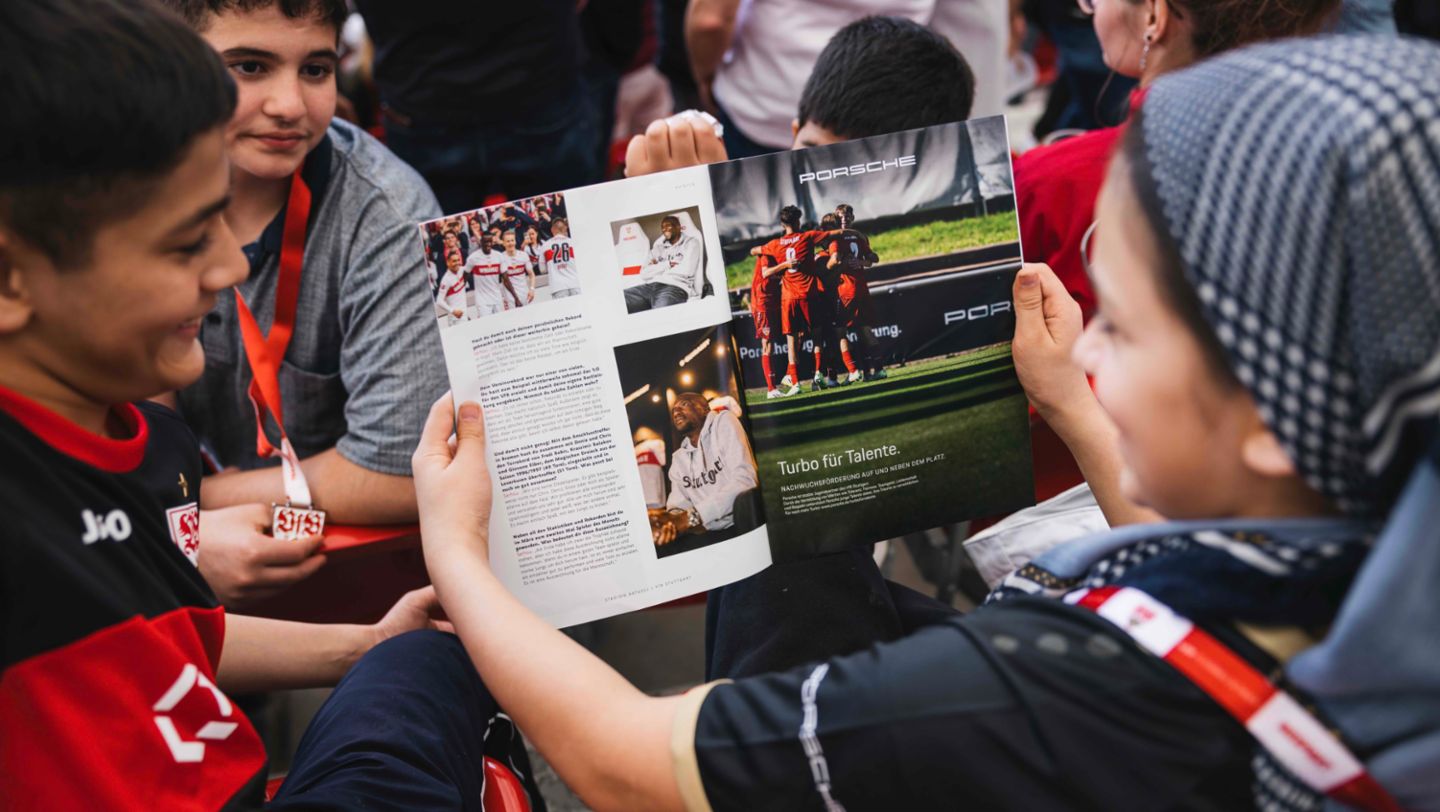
x,y
470,432
1029,305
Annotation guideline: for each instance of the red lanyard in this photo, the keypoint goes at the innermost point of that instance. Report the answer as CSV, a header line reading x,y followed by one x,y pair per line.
x,y
266,352
1291,734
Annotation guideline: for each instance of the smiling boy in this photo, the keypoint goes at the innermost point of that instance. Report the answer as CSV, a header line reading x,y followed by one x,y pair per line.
x,y
115,660
362,359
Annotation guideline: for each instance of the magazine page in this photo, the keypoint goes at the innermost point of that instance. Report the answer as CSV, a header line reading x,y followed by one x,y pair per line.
x,y
593,328
889,402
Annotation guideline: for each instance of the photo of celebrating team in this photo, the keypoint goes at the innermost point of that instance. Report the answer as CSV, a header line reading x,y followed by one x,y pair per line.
x,y
825,303
876,277
500,258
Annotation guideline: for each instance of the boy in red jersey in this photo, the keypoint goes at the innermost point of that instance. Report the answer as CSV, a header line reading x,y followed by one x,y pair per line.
x,y
116,660
850,255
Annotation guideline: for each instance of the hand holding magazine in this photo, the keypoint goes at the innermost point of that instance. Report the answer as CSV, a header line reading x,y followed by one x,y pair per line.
x,y
688,376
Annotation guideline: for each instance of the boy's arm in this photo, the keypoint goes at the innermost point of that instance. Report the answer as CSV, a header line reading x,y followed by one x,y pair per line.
x,y
349,493
771,270
263,654
573,706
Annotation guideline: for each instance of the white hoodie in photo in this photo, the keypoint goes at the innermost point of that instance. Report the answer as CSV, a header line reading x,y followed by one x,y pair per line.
x,y
709,476
678,263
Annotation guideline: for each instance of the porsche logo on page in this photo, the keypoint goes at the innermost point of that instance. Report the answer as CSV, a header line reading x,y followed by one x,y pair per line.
x,y
868,168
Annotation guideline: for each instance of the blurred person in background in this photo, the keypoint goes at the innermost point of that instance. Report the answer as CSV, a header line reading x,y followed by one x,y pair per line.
x,y
749,59
485,101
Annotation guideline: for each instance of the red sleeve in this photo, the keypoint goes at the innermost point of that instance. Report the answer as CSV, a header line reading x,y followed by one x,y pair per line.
x,y
1055,192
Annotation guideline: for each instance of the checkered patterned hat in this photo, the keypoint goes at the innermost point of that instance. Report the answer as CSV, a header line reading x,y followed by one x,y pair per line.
x,y
1301,183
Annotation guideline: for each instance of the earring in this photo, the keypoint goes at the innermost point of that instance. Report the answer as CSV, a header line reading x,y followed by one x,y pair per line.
x,y
1145,54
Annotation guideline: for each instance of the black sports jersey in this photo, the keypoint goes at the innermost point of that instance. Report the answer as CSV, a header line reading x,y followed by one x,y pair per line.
x,y
109,637
1029,704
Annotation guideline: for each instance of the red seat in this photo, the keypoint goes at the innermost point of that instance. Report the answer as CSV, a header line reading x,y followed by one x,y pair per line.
x,y
503,791
366,571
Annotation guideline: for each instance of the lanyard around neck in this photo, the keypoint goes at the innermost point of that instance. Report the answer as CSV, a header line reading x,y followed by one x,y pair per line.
x,y
1290,733
265,352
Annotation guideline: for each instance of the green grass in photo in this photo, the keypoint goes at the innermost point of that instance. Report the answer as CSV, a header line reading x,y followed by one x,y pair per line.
x,y
965,409
911,242
985,470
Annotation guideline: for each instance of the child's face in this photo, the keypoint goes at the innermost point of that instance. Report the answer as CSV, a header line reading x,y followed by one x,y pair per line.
x,y
284,70
125,326
1183,431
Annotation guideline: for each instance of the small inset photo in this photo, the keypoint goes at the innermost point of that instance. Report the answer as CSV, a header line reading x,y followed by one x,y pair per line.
x,y
500,258
661,259
697,470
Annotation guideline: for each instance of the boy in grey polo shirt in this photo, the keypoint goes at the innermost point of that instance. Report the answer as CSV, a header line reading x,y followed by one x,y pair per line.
x,y
365,360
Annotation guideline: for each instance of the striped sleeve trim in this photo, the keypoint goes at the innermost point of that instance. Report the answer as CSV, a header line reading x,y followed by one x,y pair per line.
x,y
682,747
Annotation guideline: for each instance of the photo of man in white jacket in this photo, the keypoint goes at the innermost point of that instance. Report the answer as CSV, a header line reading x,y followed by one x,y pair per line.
x,y
711,469
674,271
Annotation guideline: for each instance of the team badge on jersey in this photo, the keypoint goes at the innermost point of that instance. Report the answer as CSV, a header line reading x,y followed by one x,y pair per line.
x,y
184,522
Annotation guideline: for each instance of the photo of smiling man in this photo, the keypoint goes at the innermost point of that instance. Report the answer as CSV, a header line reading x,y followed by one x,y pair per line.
x,y
684,398
711,468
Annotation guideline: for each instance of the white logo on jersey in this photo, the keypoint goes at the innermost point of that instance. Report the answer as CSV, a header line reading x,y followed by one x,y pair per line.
x,y
113,526
185,751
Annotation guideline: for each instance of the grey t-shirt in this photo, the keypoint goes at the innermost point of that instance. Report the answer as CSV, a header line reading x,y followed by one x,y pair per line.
x,y
365,362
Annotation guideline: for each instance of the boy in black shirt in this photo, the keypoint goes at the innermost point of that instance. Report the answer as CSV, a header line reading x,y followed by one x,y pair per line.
x,y
115,659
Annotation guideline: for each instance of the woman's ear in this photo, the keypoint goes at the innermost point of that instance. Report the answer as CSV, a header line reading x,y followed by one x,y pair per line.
x,y
1263,454
1158,21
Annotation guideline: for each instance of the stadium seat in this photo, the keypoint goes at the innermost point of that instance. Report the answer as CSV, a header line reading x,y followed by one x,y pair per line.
x,y
367,570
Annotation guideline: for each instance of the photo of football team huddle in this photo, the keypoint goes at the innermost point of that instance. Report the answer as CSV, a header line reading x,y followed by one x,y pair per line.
x,y
809,282
500,258
662,259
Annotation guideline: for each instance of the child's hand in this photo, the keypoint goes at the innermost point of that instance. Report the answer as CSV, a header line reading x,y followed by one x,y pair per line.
x,y
417,609
243,563
452,487
1047,325
684,139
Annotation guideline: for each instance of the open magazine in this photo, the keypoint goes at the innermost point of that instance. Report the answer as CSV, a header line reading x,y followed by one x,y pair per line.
x,y
690,375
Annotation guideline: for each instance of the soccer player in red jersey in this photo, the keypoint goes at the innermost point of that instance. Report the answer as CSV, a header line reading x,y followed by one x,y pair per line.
x,y
850,254
765,310
800,291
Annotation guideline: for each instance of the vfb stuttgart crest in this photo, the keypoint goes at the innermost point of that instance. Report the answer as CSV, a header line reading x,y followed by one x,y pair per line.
x,y
185,529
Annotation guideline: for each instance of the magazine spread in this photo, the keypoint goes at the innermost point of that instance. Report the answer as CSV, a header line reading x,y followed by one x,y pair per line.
x,y
688,376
